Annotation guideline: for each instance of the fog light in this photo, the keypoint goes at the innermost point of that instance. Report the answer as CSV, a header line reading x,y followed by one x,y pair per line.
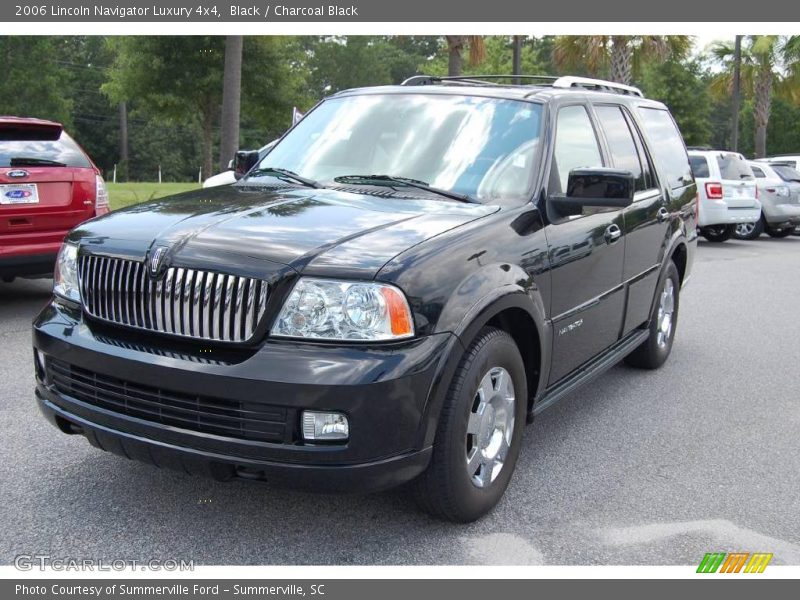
x,y
325,426
40,366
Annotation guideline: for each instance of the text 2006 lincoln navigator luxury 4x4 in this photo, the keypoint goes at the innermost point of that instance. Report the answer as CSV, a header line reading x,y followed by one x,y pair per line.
x,y
404,280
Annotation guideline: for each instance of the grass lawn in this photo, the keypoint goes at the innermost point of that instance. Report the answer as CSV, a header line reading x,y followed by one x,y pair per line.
x,y
125,194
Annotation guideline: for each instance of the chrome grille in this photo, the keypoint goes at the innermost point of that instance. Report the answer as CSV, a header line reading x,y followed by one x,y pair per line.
x,y
184,302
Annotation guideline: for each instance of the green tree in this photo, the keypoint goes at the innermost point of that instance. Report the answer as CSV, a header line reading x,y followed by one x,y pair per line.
x,y
32,84
95,121
621,57
179,78
770,64
381,60
681,87
497,59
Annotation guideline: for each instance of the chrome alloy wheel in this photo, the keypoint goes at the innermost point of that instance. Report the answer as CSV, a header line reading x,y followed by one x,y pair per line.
x,y
666,310
490,427
745,229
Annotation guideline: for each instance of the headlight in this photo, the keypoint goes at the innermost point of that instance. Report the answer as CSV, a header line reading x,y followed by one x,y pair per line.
x,y
65,276
325,309
782,191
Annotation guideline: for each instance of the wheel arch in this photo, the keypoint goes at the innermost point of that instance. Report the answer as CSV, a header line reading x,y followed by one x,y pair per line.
x,y
511,309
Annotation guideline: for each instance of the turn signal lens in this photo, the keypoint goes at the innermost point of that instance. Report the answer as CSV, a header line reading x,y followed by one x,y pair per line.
x,y
399,316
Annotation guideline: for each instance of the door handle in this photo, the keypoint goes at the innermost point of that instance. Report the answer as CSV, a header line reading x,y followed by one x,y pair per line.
x,y
662,214
613,233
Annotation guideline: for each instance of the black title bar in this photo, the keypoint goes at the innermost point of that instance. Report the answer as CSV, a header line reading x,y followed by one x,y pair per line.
x,y
441,11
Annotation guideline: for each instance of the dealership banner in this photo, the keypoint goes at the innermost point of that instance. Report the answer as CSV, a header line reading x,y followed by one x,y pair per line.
x,y
399,589
441,11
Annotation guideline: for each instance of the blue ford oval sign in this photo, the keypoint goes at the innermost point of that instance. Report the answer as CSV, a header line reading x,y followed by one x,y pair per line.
x,y
18,173
17,194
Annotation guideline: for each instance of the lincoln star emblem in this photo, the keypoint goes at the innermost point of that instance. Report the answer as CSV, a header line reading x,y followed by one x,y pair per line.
x,y
156,259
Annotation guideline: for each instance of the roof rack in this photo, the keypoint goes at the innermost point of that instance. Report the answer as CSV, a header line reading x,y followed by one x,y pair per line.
x,y
568,82
597,84
477,79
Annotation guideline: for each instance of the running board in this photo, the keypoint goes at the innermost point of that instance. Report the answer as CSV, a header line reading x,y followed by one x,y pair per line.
x,y
595,367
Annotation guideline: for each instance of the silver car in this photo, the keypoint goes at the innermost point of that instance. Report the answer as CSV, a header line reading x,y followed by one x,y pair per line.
x,y
779,193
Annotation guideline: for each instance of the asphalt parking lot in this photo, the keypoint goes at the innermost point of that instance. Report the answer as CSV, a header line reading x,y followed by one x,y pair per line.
x,y
637,468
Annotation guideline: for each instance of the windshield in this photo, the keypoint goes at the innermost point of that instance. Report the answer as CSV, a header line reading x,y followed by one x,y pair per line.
x,y
484,148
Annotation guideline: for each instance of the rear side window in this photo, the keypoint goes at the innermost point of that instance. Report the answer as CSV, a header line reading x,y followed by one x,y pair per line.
x,y
621,143
758,172
667,147
733,166
699,166
576,146
33,148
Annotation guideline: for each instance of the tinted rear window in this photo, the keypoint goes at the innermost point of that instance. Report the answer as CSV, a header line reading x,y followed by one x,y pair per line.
x,y
786,173
731,166
667,146
21,148
699,166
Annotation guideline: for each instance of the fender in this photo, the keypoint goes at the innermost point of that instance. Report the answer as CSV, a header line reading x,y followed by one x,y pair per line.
x,y
677,239
494,299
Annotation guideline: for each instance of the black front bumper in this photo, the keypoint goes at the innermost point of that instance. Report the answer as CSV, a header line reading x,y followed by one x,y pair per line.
x,y
384,391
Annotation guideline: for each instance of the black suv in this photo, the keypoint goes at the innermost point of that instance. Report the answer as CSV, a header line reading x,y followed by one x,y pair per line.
x,y
405,279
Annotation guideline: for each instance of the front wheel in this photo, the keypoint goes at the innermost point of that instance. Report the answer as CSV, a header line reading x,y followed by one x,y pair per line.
x,y
479,433
654,351
718,233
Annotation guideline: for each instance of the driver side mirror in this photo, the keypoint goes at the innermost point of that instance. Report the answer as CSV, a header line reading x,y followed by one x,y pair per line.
x,y
599,187
243,161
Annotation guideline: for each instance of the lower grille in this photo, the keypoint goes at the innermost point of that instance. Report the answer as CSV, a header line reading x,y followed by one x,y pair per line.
x,y
229,418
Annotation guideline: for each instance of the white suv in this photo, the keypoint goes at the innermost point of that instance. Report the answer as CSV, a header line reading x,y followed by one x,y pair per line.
x,y
727,193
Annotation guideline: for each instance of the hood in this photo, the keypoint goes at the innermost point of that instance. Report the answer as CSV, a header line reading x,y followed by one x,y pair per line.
x,y
312,231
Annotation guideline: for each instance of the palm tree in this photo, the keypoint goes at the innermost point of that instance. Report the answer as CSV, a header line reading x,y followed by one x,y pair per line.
x,y
231,100
769,64
456,44
621,55
736,92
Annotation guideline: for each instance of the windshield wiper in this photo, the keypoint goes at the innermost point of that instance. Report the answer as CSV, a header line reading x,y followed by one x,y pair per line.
x,y
286,174
20,161
404,181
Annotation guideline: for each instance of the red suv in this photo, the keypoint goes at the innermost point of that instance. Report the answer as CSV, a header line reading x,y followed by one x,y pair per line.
x,y
48,185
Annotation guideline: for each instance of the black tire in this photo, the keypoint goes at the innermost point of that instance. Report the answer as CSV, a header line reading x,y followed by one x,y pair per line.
x,y
779,233
718,233
745,233
446,489
652,353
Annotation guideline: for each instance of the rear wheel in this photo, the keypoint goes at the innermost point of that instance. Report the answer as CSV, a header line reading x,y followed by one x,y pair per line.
x,y
779,233
654,351
749,231
718,233
479,432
